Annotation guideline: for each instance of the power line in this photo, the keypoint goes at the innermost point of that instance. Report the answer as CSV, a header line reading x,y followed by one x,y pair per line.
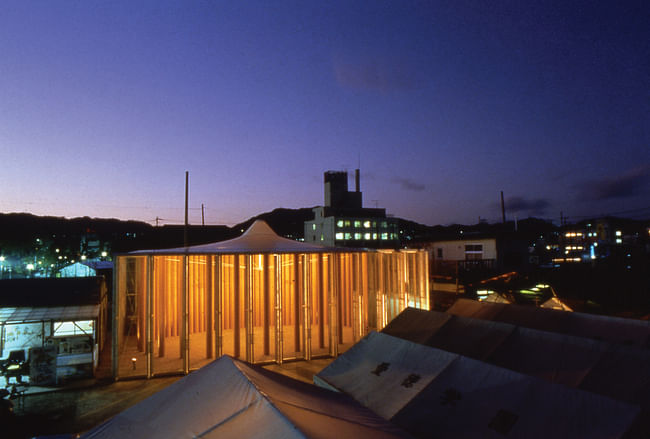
x,y
620,212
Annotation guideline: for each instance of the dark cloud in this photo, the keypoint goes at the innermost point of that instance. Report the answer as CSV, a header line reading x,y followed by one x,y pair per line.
x,y
626,185
408,184
379,73
529,206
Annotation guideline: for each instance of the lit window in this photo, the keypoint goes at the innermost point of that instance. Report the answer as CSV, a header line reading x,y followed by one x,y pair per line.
x,y
348,236
357,224
374,236
339,235
322,238
366,236
384,224
80,327
339,223
384,236
347,223
619,240
313,226
366,224
619,233
357,236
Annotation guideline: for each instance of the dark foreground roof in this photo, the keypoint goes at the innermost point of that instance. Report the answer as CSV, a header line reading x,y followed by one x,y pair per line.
x,y
44,292
433,393
619,330
609,369
231,399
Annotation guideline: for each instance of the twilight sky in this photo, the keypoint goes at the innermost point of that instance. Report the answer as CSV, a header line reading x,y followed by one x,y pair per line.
x,y
105,105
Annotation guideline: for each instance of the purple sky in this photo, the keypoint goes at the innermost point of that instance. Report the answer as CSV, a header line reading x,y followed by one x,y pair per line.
x,y
105,105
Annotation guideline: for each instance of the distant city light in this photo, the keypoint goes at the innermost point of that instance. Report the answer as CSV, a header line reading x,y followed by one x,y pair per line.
x,y
104,254
30,266
83,257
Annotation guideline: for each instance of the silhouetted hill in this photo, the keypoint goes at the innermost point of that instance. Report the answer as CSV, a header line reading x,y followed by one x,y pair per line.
x,y
284,222
20,230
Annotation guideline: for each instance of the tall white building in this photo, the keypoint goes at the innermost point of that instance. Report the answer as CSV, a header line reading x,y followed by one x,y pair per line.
x,y
344,222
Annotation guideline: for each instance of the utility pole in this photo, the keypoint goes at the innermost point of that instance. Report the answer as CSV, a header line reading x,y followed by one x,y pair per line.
x,y
503,209
202,215
187,182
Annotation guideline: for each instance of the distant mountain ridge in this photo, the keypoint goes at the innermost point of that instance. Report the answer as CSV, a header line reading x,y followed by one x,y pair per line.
x,y
19,229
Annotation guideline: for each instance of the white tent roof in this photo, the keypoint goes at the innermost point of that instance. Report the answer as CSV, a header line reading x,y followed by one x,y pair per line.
x,y
231,399
496,298
259,238
429,391
556,303
608,369
372,371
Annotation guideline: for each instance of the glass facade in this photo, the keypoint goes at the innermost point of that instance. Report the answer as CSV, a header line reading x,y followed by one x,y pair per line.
x,y
176,312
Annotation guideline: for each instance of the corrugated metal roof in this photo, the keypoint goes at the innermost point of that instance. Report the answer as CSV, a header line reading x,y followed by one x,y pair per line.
x,y
56,313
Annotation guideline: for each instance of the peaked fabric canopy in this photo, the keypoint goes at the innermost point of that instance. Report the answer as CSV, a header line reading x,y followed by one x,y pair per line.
x,y
258,239
429,392
231,399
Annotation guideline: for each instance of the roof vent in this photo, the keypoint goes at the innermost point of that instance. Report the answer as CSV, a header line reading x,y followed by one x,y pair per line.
x,y
380,368
503,421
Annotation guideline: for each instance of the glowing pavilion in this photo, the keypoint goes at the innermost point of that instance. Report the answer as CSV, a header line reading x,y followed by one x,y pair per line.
x,y
259,297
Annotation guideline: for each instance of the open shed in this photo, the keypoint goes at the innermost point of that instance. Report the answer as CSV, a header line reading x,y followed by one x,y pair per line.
x,y
259,297
51,329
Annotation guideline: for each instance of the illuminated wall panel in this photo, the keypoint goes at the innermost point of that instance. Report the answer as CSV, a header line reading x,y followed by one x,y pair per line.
x,y
131,317
167,296
264,324
198,294
175,313
318,299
